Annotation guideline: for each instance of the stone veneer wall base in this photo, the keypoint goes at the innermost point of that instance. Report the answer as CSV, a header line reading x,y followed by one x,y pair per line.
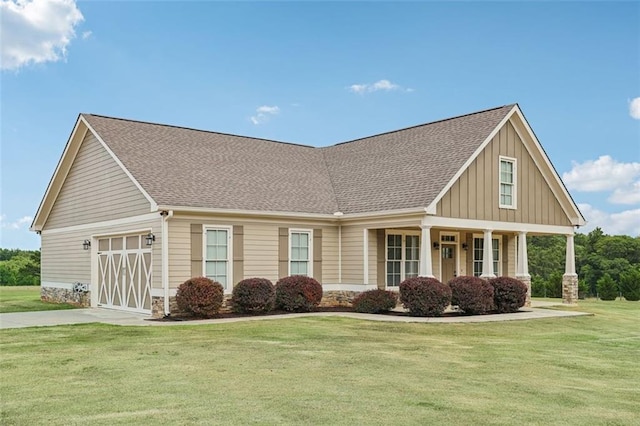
x,y
64,295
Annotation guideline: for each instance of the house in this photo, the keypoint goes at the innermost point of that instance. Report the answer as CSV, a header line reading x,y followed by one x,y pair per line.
x,y
134,209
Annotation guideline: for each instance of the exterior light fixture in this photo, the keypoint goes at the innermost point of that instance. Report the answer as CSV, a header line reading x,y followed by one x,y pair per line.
x,y
465,246
150,238
436,246
86,244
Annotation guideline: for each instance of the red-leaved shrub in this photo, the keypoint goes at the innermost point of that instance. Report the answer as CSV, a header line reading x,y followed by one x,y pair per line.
x,y
375,301
200,297
509,294
253,295
298,293
471,294
424,297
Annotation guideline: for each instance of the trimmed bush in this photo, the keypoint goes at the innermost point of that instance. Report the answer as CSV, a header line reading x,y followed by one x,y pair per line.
x,y
509,294
424,297
607,288
298,293
200,297
473,295
375,301
253,295
630,285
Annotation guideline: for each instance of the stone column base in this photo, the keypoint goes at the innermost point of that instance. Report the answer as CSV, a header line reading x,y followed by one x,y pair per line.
x,y
570,289
526,279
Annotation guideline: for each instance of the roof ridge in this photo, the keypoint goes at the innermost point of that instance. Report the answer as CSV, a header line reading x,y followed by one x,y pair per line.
x,y
195,130
425,124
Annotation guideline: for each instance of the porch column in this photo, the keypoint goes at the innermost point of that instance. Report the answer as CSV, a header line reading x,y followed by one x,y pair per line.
x,y
426,266
570,278
365,256
522,265
487,256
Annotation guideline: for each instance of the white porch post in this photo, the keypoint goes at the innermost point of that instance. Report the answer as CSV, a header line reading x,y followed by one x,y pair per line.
x,y
522,266
365,272
570,278
426,266
487,256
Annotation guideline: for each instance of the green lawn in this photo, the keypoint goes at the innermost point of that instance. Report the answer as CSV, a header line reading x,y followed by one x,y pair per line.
x,y
582,370
25,299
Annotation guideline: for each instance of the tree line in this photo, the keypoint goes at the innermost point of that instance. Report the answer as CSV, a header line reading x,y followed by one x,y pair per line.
x,y
608,266
19,267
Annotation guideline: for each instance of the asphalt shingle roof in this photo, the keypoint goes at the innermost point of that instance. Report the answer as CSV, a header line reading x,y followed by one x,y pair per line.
x,y
396,170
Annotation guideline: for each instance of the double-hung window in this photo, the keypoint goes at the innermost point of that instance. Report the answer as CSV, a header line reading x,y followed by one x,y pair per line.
x,y
300,252
217,255
507,182
478,255
403,258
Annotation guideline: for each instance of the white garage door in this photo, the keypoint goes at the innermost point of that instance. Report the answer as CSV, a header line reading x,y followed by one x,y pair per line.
x,y
124,273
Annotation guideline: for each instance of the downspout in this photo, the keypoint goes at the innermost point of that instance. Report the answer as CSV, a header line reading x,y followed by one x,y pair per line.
x,y
166,215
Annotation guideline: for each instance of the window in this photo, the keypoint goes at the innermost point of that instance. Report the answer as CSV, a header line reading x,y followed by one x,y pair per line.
x,y
478,256
300,252
507,182
403,258
216,255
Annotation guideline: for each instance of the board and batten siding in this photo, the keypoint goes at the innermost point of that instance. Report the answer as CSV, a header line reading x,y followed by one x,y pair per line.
x,y
96,189
63,260
475,195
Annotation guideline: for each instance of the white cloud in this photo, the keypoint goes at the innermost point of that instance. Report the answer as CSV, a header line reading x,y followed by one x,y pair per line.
x,y
25,220
634,108
263,113
384,85
624,223
626,195
36,31
603,174
86,35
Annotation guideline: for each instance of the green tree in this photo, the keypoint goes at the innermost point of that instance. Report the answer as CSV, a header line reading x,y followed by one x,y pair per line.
x,y
607,288
20,267
630,284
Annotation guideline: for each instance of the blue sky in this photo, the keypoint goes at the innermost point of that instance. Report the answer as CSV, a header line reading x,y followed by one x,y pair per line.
x,y
322,73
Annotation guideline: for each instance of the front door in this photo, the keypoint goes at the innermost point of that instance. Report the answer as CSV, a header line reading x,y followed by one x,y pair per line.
x,y
449,262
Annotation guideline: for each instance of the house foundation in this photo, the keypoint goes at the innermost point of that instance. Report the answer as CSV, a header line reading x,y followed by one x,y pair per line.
x,y
64,295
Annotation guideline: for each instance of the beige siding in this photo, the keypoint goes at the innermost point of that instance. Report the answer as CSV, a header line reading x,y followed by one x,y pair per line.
x,y
353,255
96,189
476,193
64,260
260,247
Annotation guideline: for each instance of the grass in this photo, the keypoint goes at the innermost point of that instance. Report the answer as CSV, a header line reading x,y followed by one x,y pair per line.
x,y
328,370
26,299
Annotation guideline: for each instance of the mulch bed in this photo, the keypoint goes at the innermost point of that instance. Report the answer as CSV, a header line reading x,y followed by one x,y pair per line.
x,y
225,315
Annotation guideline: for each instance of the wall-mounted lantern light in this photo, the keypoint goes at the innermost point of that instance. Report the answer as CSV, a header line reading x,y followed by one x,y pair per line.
x,y
436,246
465,246
86,244
150,238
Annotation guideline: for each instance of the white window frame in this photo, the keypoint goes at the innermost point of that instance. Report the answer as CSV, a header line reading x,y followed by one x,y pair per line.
x,y
495,237
513,184
403,258
455,243
205,228
309,232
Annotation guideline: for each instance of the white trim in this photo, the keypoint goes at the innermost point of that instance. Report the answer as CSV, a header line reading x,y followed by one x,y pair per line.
x,y
239,212
153,204
530,228
164,256
522,259
340,254
570,257
120,233
229,286
365,256
426,261
494,236
104,224
310,259
581,221
403,259
348,287
456,244
53,284
431,208
514,183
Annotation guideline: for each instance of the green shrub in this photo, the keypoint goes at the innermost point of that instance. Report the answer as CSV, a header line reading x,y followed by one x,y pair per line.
x,y
554,285
607,288
200,297
375,301
509,294
538,286
471,294
253,295
630,285
425,297
298,293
